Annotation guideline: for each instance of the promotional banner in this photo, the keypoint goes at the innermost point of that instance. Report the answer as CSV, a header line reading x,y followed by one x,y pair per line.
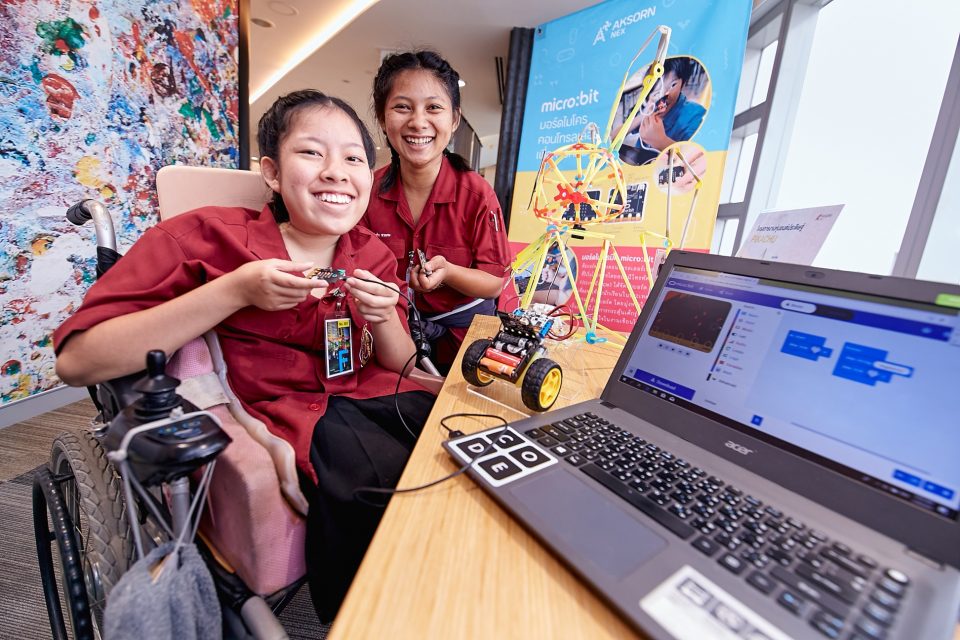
x,y
626,124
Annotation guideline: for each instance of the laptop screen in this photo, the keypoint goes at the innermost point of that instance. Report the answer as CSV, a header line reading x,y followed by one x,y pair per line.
x,y
860,384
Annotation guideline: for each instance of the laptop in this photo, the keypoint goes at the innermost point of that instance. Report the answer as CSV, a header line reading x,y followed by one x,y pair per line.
x,y
775,455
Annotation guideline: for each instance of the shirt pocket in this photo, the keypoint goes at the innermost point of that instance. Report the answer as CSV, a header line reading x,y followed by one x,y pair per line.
x,y
264,370
460,256
252,321
398,247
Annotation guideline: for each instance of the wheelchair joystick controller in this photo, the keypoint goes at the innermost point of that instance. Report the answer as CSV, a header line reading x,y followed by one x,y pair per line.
x,y
158,391
173,437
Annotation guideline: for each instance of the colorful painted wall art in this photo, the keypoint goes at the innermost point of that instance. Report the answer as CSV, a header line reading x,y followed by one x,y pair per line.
x,y
95,97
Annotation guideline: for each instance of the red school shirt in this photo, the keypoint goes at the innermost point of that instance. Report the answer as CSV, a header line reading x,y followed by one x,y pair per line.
x,y
461,221
275,359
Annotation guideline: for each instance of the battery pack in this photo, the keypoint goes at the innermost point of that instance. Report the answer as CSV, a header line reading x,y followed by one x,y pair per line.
x,y
502,356
499,368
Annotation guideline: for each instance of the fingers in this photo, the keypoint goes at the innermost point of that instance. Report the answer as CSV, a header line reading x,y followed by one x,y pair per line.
x,y
288,265
423,283
298,282
437,266
366,287
364,281
285,273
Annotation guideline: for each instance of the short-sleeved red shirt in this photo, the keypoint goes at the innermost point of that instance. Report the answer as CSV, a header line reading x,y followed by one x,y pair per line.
x,y
275,359
461,221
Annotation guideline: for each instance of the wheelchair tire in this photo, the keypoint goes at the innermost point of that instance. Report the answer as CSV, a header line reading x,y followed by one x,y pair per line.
x,y
93,498
471,360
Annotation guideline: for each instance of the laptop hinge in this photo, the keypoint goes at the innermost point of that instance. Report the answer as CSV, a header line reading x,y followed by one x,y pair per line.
x,y
927,560
604,403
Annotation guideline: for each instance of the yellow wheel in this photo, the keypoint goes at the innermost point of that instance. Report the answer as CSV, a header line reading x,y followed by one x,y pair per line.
x,y
541,384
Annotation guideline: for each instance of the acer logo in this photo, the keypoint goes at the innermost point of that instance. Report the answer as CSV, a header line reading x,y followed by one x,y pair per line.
x,y
739,448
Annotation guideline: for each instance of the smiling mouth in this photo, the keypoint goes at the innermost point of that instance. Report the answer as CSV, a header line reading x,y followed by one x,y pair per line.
x,y
335,198
418,141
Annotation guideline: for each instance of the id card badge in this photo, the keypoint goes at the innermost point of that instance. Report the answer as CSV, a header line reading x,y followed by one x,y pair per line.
x,y
338,339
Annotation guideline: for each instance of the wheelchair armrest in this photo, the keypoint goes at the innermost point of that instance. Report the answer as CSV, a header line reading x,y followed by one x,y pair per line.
x,y
431,382
113,396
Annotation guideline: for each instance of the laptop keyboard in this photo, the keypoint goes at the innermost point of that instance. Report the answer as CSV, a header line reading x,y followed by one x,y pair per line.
x,y
842,593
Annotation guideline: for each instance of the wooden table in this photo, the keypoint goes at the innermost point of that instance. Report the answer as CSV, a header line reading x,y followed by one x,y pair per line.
x,y
448,562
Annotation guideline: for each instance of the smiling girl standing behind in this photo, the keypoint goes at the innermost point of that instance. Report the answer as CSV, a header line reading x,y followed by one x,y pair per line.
x,y
428,199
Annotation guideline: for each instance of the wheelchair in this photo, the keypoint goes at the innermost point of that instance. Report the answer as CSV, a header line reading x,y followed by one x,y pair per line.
x,y
96,526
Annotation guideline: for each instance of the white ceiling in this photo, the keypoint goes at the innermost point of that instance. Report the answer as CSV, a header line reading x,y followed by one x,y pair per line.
x,y
469,34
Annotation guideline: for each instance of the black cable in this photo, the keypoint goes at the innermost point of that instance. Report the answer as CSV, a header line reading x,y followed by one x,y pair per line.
x,y
453,433
396,395
385,284
409,299
359,491
416,352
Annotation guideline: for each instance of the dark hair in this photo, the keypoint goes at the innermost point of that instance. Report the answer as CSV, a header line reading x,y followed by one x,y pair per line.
x,y
411,61
686,68
275,124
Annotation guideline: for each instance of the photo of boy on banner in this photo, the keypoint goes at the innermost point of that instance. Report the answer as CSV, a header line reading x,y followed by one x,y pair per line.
x,y
673,112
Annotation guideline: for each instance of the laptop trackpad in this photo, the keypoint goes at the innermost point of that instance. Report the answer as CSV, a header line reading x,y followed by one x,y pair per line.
x,y
589,522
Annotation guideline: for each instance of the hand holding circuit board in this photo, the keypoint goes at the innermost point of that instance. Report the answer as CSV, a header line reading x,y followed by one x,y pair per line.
x,y
428,274
422,257
332,276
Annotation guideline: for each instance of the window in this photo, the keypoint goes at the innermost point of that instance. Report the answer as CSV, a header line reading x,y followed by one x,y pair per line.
x,y
864,122
751,110
837,104
940,261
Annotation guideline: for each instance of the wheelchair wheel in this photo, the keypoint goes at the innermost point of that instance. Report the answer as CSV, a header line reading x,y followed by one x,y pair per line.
x,y
541,384
471,359
93,499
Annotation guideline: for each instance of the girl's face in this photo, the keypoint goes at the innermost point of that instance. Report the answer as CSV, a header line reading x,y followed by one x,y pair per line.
x,y
322,172
419,118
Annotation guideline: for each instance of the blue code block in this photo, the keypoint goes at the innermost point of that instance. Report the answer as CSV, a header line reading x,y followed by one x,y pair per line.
x,y
936,489
909,478
868,365
805,345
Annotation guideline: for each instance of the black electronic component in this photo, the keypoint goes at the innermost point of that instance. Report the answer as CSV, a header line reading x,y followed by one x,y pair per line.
x,y
422,257
328,274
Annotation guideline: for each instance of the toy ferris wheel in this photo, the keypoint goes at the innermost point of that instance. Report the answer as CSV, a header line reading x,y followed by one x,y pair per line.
x,y
581,185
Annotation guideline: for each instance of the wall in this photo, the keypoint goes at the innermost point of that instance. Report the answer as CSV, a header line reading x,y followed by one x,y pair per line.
x,y
96,96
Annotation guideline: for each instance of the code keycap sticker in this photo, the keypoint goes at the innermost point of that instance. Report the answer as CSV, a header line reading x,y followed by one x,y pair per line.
x,y
502,455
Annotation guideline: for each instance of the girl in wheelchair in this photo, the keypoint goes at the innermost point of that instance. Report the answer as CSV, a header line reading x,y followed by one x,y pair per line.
x,y
242,273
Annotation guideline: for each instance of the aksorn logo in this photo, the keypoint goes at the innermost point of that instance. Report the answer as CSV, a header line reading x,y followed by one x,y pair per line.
x,y
618,27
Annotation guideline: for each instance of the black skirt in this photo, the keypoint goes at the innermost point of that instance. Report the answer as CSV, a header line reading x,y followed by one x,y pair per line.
x,y
357,443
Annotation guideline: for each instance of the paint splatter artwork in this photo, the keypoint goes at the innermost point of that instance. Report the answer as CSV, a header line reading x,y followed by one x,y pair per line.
x,y
95,97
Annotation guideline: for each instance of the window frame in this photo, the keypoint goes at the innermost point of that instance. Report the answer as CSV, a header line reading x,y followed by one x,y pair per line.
x,y
773,120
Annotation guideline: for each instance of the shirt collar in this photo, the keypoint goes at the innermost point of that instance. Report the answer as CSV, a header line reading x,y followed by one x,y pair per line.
x,y
444,189
264,241
263,235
